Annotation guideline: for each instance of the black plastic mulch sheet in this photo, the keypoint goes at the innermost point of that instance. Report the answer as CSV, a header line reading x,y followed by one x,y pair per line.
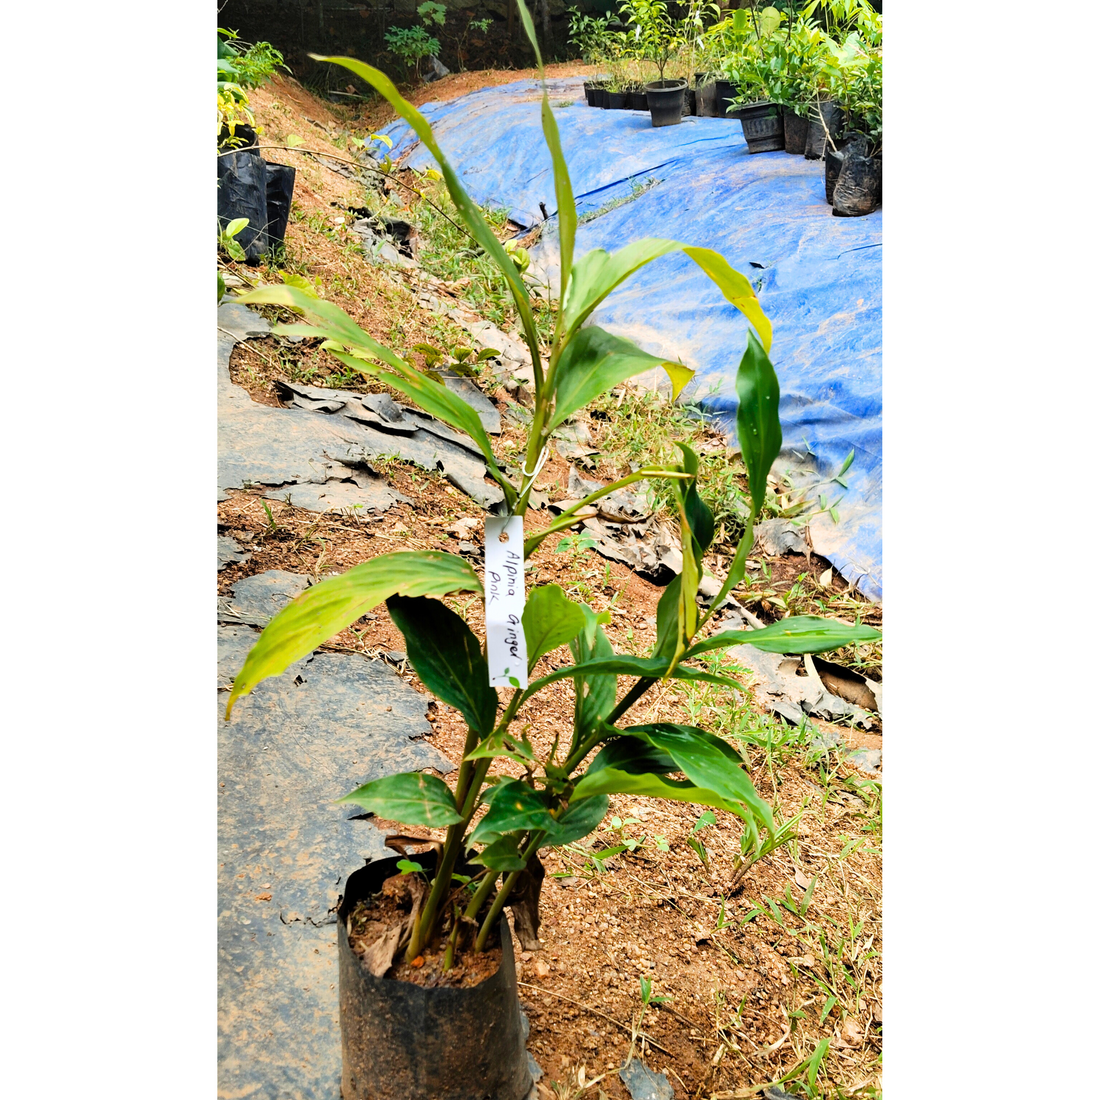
x,y
297,743
317,452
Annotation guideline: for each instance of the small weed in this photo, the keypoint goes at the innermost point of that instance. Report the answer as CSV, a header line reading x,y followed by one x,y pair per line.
x,y
637,187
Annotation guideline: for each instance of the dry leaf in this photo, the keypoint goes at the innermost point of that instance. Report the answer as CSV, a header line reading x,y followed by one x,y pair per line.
x,y
801,879
850,1032
826,578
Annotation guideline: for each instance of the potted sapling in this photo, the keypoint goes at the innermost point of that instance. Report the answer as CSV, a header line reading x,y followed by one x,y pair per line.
x,y
655,38
428,1002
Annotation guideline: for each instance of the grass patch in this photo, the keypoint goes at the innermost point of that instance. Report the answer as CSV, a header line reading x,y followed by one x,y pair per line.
x,y
637,187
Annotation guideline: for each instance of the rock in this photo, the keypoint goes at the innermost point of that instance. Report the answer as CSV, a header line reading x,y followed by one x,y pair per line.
x,y
643,1084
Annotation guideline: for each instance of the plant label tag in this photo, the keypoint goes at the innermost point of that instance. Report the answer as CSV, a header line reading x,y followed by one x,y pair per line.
x,y
507,647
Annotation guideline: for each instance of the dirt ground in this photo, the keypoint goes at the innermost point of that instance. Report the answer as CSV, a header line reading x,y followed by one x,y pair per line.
x,y
755,978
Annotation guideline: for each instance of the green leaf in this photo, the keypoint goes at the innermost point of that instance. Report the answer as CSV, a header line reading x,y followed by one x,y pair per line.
x,y
516,807
300,282
592,621
327,608
706,760
447,658
598,273
412,798
549,620
563,187
632,755
235,226
466,208
655,668
593,362
582,816
668,621
502,855
594,693
614,781
332,323
293,140
758,430
798,634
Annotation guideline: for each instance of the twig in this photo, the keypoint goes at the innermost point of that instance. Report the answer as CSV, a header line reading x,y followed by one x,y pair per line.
x,y
597,1012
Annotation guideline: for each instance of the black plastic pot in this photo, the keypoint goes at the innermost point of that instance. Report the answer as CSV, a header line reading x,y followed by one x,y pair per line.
x,y
280,192
243,137
725,93
616,101
794,132
242,193
589,95
858,187
689,102
602,95
402,1041
666,101
706,100
829,116
762,125
638,100
834,159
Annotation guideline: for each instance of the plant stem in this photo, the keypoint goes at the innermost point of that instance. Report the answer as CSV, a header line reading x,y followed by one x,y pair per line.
x,y
504,891
483,892
449,955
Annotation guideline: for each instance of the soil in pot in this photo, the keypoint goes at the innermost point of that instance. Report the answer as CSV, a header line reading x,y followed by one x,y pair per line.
x,y
858,187
762,125
666,101
827,116
422,1032
794,131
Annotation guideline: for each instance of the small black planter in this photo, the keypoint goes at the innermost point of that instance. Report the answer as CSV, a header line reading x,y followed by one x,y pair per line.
x,y
726,93
706,100
589,93
794,132
858,187
638,100
602,98
243,137
242,193
280,192
616,101
402,1040
828,116
762,125
834,159
666,101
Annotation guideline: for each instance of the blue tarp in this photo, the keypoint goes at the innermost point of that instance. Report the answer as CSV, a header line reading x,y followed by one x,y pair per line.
x,y
819,277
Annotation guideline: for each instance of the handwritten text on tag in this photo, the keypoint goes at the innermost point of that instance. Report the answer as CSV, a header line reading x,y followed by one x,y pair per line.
x,y
504,602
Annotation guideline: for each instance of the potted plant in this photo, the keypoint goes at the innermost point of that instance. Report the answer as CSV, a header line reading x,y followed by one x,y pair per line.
x,y
654,37
758,72
406,1031
858,187
795,80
